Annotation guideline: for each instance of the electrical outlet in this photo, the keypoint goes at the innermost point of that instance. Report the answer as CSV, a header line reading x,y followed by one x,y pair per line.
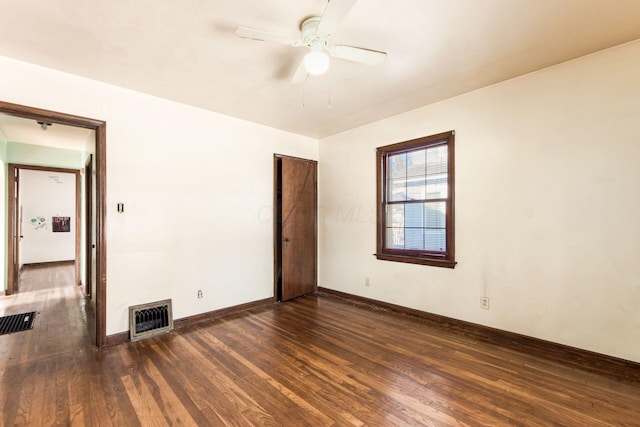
x,y
200,294
366,282
484,303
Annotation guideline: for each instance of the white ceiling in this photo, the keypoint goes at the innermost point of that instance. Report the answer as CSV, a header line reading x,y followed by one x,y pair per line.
x,y
185,50
25,131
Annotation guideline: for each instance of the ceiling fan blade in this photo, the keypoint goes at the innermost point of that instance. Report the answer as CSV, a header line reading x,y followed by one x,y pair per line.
x,y
333,15
250,33
358,54
300,75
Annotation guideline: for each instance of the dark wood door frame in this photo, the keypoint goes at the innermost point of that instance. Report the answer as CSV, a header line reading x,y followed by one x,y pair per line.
x,y
14,226
13,254
88,203
78,225
100,128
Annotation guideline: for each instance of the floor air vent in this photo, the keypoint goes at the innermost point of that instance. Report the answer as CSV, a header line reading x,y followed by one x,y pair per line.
x,y
16,322
147,320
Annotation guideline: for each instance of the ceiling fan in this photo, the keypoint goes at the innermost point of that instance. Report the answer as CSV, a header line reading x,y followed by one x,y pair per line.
x,y
315,33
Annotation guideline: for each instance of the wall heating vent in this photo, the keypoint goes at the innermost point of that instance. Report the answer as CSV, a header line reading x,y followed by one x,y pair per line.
x,y
146,320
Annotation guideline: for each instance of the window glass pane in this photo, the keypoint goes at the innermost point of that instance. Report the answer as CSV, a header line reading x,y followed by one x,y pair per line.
x,y
416,163
414,238
395,238
435,222
437,160
414,215
397,189
435,240
416,188
437,187
395,216
396,165
437,180
435,214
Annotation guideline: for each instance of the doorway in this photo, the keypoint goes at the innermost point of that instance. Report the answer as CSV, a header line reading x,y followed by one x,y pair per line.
x,y
40,205
100,128
295,227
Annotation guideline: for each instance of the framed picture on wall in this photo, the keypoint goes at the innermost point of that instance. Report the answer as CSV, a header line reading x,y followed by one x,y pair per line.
x,y
61,224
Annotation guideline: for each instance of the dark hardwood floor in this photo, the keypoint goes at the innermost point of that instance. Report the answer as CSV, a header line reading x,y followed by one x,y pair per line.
x,y
314,361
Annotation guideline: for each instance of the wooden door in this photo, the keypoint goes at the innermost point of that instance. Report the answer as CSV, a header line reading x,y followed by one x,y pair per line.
x,y
298,225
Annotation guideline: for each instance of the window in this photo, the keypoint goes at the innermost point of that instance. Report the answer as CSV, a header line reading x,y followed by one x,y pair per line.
x,y
415,188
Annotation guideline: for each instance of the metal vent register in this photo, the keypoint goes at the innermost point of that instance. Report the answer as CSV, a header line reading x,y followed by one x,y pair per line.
x,y
147,320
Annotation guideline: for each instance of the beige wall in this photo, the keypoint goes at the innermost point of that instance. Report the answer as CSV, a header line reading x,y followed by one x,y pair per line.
x,y
547,206
197,188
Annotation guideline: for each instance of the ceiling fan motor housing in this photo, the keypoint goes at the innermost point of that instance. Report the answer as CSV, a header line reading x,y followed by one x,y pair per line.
x,y
310,36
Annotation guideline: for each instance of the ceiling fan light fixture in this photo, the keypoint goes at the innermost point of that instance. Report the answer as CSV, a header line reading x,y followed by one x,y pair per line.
x,y
316,62
44,125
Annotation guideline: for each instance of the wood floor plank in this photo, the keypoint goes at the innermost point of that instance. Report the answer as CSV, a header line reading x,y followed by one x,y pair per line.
x,y
47,409
77,390
194,389
97,412
168,402
11,384
62,415
238,405
271,381
29,398
118,407
176,379
202,389
143,402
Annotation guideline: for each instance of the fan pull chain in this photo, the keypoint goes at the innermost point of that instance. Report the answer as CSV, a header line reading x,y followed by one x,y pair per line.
x,y
330,86
304,85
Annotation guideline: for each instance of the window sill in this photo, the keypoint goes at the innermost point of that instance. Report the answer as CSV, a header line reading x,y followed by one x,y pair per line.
x,y
434,262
